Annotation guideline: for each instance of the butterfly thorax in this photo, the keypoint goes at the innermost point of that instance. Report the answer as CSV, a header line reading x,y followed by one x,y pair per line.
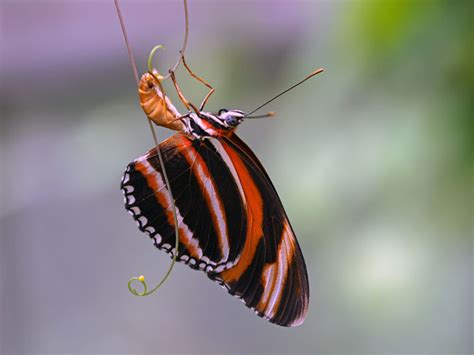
x,y
211,124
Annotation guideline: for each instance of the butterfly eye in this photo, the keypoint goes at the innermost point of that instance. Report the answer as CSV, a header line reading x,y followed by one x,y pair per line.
x,y
232,121
222,111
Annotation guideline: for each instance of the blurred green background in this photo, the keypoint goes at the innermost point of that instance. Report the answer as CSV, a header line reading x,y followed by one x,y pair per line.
x,y
372,160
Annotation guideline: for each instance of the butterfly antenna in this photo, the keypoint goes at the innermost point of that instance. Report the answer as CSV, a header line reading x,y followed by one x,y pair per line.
x,y
141,278
317,71
268,114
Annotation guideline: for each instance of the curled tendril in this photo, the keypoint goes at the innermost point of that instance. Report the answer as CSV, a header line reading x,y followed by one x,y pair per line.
x,y
150,62
133,290
141,278
158,77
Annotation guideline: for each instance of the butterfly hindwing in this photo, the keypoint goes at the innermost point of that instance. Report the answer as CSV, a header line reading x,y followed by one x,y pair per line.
x,y
232,224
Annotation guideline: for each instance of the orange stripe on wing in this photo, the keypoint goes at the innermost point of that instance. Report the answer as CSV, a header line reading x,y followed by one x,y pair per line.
x,y
275,275
155,182
254,205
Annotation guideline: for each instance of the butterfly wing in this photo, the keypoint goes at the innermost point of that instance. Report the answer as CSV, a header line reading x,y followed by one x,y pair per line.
x,y
232,224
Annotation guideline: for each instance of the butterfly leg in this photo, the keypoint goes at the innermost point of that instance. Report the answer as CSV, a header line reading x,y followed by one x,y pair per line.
x,y
201,80
181,95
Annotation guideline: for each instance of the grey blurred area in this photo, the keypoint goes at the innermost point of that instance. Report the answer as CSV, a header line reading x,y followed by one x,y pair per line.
x,y
372,160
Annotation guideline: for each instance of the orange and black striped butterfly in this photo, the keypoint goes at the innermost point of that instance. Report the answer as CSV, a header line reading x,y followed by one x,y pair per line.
x,y
232,224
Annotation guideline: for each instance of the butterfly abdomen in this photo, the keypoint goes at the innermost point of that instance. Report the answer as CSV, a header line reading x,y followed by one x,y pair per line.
x,y
156,105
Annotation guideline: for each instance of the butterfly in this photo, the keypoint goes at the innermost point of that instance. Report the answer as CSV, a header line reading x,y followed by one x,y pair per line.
x,y
231,222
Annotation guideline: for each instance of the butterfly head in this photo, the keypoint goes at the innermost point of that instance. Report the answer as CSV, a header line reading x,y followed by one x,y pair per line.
x,y
230,118
213,124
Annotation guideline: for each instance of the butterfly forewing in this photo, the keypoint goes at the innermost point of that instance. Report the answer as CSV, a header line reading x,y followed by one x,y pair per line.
x,y
279,289
232,224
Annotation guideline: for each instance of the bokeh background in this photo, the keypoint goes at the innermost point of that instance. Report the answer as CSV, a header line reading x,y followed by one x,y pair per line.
x,y
372,159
